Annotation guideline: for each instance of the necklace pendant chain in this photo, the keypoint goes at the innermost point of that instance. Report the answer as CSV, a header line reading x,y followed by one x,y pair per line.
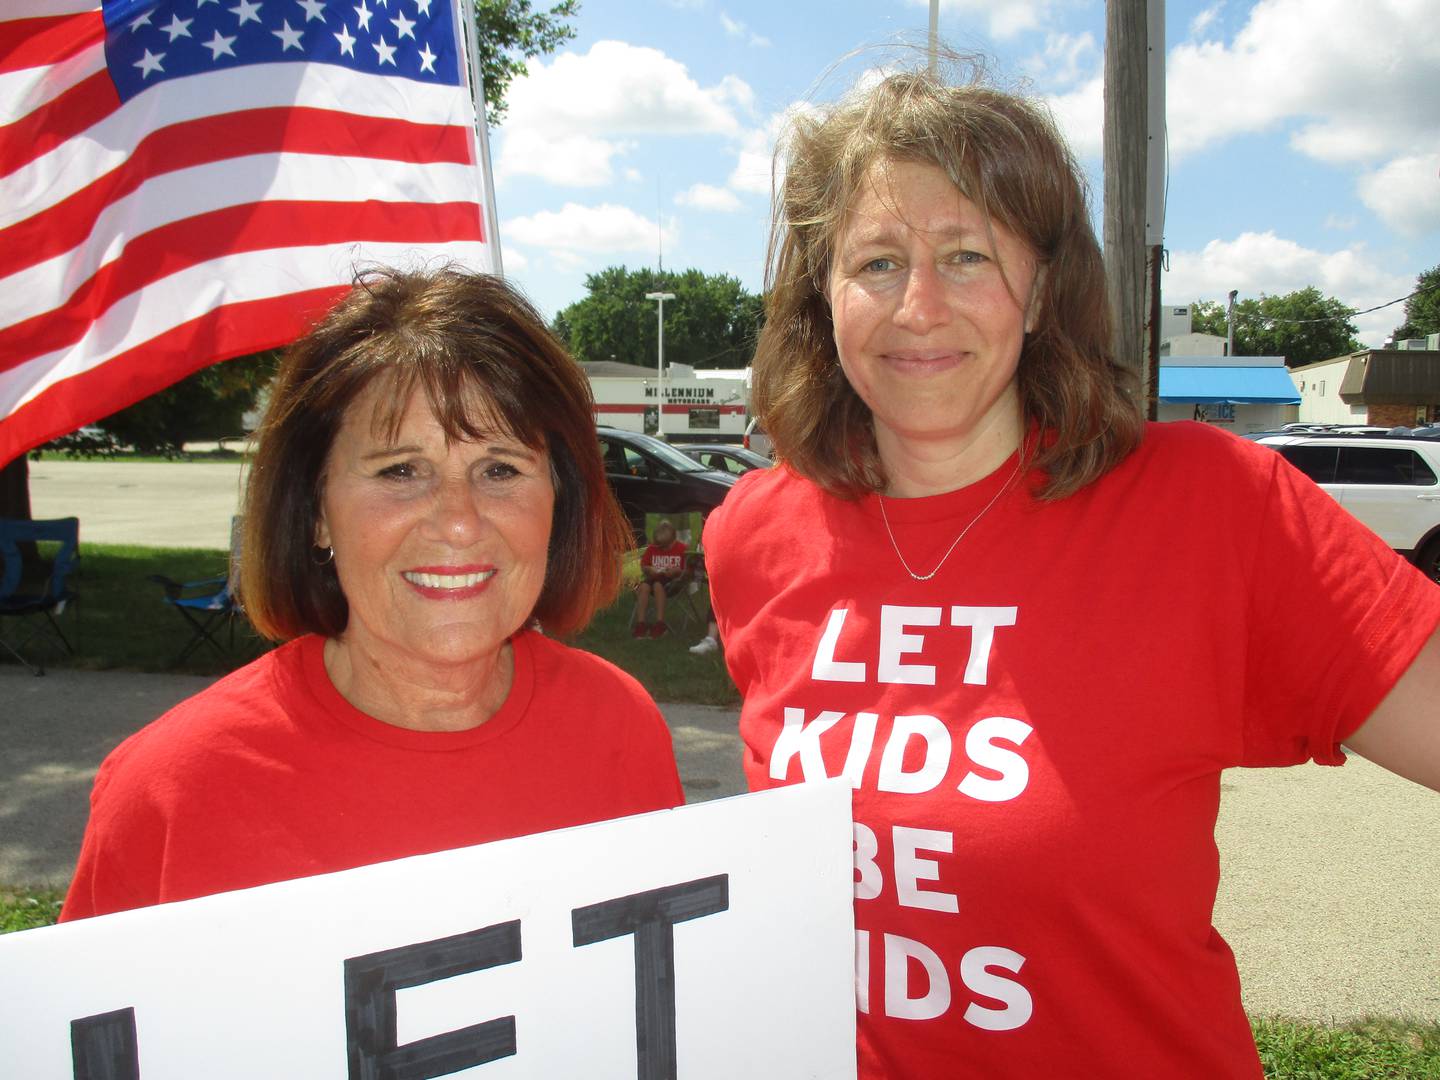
x,y
956,542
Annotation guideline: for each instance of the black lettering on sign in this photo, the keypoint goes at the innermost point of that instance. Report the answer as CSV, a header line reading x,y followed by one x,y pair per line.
x,y
370,1015
104,1046
651,917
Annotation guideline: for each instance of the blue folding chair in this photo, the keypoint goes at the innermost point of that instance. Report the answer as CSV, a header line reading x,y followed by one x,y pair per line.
x,y
36,605
207,606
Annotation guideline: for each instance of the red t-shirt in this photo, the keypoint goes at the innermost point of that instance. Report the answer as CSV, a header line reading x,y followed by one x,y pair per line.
x,y
270,774
1036,735
664,560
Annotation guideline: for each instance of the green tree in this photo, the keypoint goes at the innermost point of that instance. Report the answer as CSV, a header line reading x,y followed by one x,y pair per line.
x,y
206,405
712,322
1422,311
1303,326
511,32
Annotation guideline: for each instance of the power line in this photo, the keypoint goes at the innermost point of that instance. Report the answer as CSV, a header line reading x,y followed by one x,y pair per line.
x,y
1350,314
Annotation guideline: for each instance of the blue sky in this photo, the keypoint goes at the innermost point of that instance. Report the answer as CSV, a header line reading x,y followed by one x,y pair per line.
x,y
1304,134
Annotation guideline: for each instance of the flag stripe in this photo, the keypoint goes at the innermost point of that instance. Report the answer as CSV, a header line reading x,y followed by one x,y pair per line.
x,y
341,94
253,227
143,316
231,135
69,114
206,188
39,42
224,332
25,91
24,9
169,199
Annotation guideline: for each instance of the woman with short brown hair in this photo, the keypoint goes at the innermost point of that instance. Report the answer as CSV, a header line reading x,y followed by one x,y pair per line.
x,y
427,495
1028,629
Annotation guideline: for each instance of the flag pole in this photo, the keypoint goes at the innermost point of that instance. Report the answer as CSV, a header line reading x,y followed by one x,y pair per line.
x,y
489,219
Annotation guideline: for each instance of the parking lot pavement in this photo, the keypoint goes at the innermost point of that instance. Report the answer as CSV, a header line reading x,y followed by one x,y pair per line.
x,y
157,504
1329,888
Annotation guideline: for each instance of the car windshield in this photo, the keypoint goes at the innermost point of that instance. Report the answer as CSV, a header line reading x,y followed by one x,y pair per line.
x,y
760,461
672,457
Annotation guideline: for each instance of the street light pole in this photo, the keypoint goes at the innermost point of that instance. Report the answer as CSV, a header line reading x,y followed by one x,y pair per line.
x,y
660,298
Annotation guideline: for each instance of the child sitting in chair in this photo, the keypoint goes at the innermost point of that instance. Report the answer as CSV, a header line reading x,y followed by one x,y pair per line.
x,y
662,563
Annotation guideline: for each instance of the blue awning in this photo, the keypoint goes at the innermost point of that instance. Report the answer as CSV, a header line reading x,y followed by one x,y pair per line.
x,y
1226,385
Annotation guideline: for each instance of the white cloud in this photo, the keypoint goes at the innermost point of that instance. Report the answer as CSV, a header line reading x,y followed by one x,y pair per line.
x,y
567,120
737,29
587,230
1346,223
752,166
1406,193
1360,77
566,160
1065,60
1004,18
1080,114
514,259
756,158
634,175
708,197
1205,19
1256,263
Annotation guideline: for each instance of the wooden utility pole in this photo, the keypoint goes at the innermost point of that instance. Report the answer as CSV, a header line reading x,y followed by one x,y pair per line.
x,y
1134,182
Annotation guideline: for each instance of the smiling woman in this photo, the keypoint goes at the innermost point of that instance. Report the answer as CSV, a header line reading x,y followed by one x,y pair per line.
x,y
1030,630
427,493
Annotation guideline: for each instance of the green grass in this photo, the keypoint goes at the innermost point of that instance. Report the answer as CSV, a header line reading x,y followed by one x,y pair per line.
x,y
1289,1049
24,909
1374,1049
121,620
122,623
664,666
128,457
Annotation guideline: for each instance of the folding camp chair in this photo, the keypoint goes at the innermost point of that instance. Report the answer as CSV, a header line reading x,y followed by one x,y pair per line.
x,y
208,606
681,592
36,605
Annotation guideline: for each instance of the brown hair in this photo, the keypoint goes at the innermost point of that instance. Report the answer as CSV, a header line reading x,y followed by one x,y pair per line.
x,y
450,333
1005,155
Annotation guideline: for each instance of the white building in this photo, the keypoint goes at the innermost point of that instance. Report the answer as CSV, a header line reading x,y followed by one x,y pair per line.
x,y
1199,382
1397,387
699,405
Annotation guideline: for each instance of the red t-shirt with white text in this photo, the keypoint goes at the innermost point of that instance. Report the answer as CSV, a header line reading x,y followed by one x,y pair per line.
x,y
1036,735
668,560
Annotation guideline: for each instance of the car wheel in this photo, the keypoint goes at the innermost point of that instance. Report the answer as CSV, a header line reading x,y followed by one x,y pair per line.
x,y
1429,560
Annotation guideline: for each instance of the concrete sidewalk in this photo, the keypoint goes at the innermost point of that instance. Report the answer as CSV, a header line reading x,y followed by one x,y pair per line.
x,y
1330,876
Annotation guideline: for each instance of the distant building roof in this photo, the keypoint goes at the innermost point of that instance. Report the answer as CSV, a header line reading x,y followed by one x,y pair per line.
x,y
1392,377
614,369
1212,384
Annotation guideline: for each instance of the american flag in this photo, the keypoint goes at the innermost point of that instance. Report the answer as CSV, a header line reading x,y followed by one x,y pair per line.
x,y
186,181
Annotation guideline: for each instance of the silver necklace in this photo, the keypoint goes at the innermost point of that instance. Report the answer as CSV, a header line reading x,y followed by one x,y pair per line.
x,y
985,510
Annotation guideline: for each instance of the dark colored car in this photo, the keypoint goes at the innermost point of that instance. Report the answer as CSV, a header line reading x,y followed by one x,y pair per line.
x,y
725,457
649,476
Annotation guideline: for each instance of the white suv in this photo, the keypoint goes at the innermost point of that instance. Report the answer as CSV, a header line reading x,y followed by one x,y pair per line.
x,y
1392,484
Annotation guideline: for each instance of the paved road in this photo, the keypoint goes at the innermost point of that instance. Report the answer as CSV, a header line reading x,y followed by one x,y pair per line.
x,y
162,504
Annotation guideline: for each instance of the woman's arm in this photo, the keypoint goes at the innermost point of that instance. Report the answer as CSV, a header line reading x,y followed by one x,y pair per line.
x,y
1403,733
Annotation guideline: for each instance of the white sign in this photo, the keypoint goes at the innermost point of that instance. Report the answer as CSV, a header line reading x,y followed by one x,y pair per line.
x,y
712,941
